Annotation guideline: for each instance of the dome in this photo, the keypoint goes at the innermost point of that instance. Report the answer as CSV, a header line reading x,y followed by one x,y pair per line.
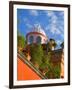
x,y
37,28
37,35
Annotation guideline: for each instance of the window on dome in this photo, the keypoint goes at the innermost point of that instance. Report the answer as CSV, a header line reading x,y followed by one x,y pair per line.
x,y
38,39
31,39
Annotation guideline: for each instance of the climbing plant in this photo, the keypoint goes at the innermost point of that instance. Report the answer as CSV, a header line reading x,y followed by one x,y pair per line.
x,y
36,52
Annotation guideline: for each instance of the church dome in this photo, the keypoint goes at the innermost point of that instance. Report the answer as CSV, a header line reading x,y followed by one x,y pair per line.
x,y
37,28
37,35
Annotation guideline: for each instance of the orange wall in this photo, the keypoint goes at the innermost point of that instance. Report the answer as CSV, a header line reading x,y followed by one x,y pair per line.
x,y
25,73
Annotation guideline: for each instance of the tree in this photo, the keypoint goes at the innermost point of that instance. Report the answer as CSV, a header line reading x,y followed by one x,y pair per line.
x,y
36,52
21,42
46,64
57,70
62,45
51,45
53,71
48,68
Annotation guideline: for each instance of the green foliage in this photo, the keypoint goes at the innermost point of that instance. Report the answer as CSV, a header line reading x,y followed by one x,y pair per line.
x,y
49,74
53,71
49,69
50,44
36,52
57,70
45,61
21,42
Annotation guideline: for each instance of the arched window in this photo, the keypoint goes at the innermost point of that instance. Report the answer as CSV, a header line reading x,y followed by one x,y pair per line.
x,y
38,39
31,39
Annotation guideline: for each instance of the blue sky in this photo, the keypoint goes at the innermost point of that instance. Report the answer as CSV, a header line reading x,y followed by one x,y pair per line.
x,y
51,21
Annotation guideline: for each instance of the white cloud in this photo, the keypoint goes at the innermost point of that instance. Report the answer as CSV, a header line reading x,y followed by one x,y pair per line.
x,y
55,26
25,19
47,28
54,19
28,25
34,12
61,28
61,13
49,13
55,30
58,42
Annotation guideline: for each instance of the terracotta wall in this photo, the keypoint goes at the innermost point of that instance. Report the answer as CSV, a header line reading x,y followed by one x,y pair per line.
x,y
24,72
